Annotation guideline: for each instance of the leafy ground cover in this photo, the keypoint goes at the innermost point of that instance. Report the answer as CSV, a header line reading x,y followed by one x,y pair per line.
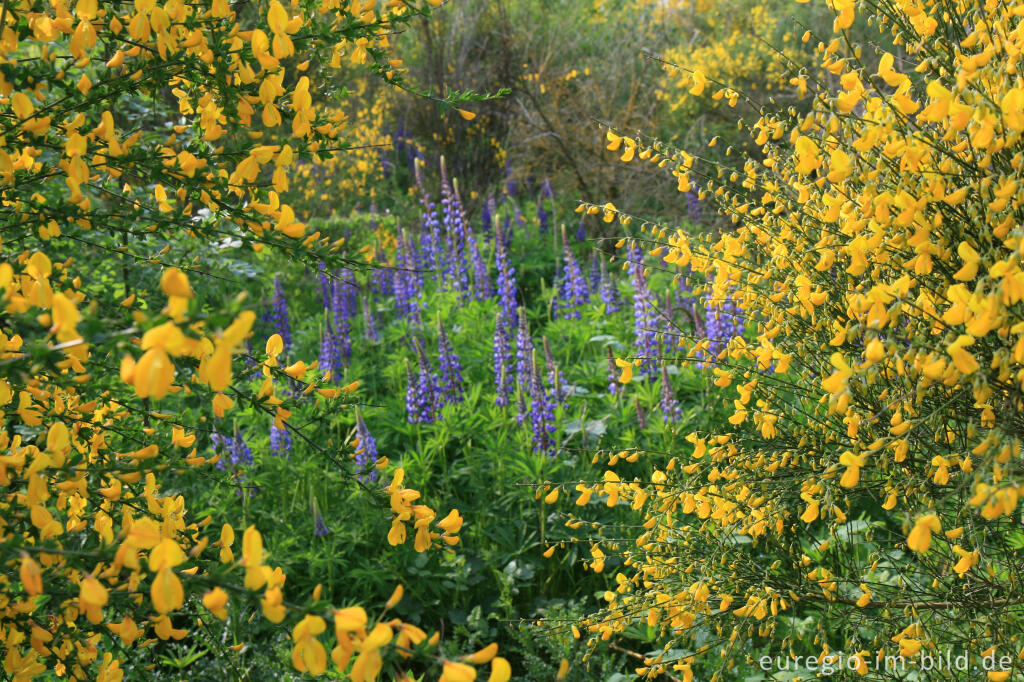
x,y
497,422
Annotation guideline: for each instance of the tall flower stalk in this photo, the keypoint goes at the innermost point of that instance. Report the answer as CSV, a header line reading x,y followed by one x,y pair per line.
x,y
506,279
503,380
542,412
455,269
366,449
407,280
369,321
645,317
279,314
574,292
330,360
342,311
609,291
280,441
723,320
451,368
422,404
555,377
524,360
431,247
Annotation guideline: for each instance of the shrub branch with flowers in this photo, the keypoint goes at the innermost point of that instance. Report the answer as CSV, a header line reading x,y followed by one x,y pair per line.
x,y
131,136
870,473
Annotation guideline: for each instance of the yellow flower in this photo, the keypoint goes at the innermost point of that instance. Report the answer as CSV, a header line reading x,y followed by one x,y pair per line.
x,y
920,537
30,575
501,671
174,282
216,601
452,671
627,370
483,656
308,654
273,606
166,592
350,619
700,81
853,463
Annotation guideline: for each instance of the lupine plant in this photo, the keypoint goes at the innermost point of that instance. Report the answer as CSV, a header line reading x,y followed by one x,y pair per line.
x,y
573,290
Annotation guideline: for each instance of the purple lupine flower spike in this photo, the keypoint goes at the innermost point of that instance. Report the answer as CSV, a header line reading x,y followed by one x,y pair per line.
x,y
279,314
280,441
555,377
542,219
218,443
609,292
328,351
506,280
487,218
451,368
382,282
481,278
670,409
595,272
369,322
510,182
456,274
520,403
366,448
411,405
693,205
236,452
425,393
581,231
524,350
341,315
545,190
407,281
645,317
431,253
574,290
325,286
722,321
542,412
502,361
319,527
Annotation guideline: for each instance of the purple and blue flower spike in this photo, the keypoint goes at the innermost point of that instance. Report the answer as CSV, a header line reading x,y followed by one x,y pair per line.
x,y
542,412
451,368
279,314
366,449
502,361
646,320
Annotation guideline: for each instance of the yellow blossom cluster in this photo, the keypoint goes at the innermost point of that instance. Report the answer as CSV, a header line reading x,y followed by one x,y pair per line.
x,y
135,136
871,471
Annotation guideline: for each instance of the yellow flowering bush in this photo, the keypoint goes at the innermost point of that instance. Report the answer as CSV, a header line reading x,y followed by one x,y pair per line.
x,y
135,137
870,476
749,46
